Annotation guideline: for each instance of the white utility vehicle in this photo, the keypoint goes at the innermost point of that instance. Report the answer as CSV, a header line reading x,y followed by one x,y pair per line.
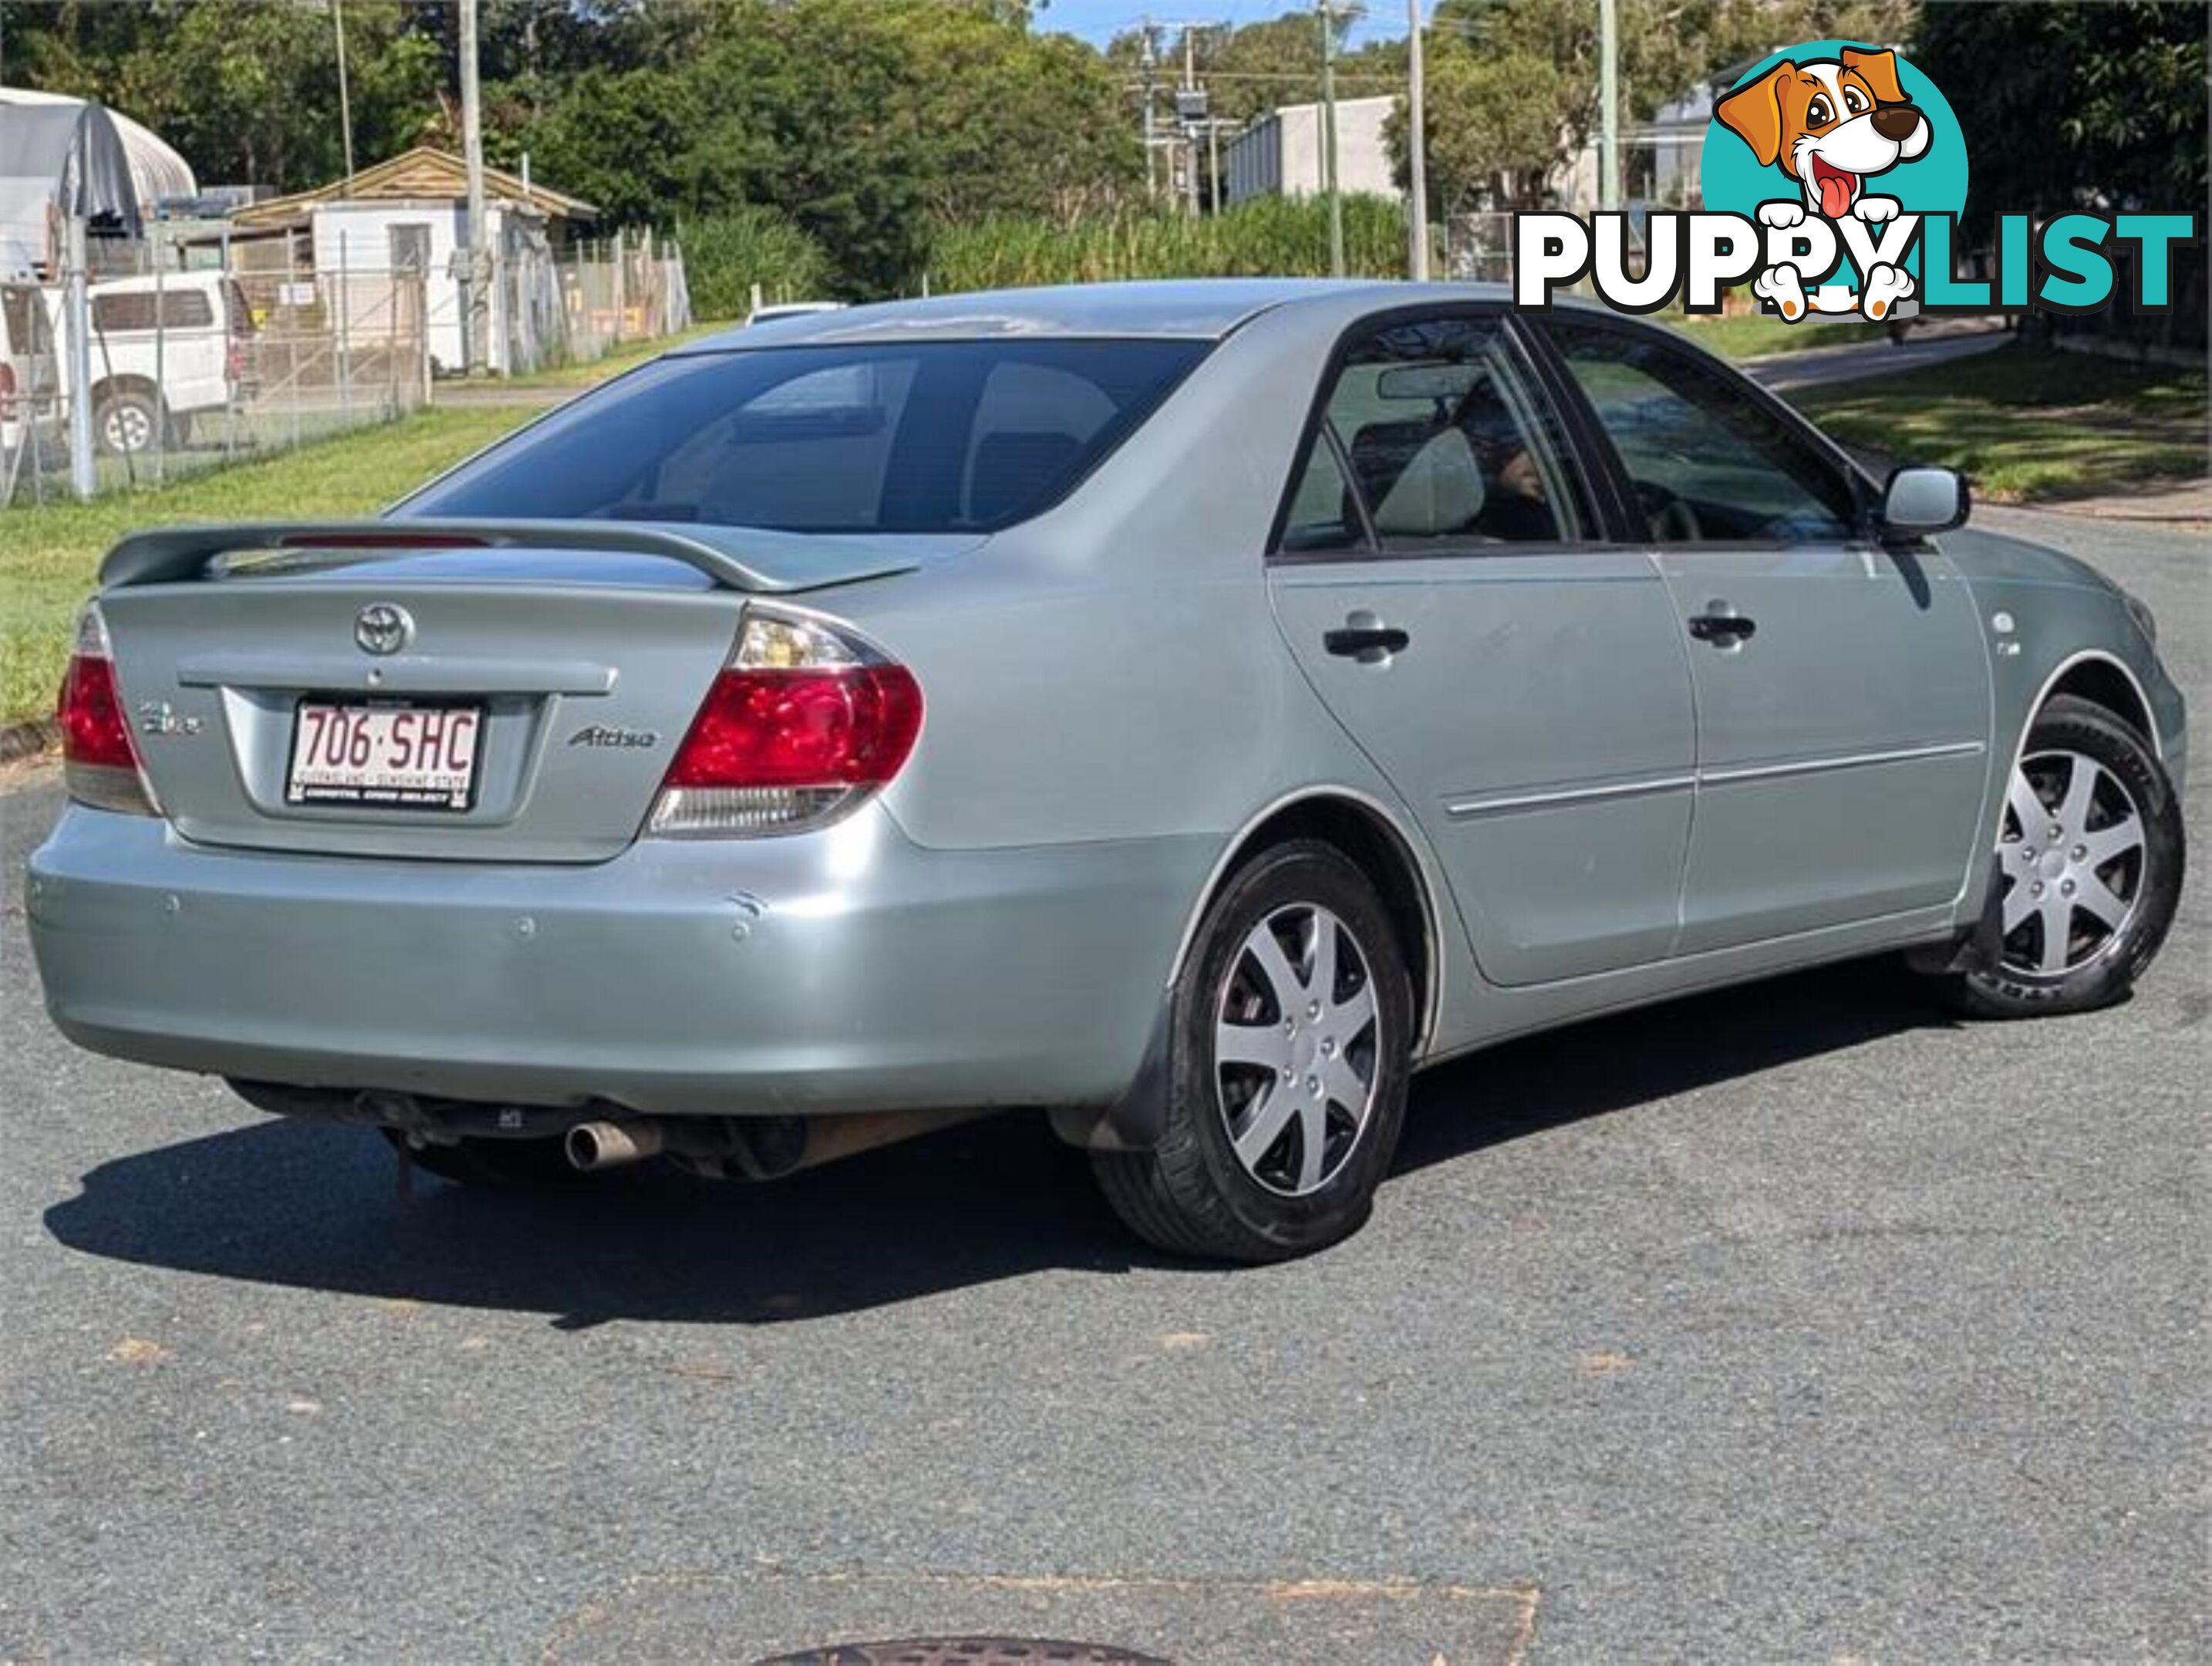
x,y
165,354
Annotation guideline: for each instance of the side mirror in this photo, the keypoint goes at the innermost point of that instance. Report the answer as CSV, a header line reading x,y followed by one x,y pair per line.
x,y
1919,501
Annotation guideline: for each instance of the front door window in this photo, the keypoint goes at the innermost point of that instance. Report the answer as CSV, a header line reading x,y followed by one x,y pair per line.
x,y
1707,462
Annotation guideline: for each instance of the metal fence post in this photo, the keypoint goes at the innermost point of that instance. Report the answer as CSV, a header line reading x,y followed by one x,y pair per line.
x,y
619,297
345,335
291,281
77,302
232,402
162,419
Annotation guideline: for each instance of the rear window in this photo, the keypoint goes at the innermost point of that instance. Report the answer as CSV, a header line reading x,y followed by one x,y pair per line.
x,y
919,437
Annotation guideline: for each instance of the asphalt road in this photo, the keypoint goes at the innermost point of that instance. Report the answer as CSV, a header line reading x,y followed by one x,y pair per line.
x,y
1792,1324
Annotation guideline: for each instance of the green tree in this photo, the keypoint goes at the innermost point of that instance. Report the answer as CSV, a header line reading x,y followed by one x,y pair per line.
x,y
2097,106
1513,84
248,92
857,118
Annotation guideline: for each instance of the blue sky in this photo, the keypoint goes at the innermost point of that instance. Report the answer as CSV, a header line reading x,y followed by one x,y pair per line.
x,y
1100,21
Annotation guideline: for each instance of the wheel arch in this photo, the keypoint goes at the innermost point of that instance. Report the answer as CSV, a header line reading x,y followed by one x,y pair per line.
x,y
1372,838
2103,680
125,382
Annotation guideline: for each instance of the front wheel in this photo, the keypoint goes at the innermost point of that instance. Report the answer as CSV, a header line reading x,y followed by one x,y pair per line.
x,y
2089,867
1291,1030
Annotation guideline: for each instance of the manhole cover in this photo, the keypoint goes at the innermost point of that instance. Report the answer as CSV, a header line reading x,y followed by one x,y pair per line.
x,y
967,1651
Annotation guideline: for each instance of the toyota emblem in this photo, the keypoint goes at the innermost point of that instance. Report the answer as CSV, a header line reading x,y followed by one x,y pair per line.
x,y
381,627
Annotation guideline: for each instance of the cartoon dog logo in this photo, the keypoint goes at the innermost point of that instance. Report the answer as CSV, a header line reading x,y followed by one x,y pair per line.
x,y
1830,124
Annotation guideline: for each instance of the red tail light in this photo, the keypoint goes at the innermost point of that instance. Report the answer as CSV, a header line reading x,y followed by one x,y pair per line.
x,y
804,724
99,764
7,389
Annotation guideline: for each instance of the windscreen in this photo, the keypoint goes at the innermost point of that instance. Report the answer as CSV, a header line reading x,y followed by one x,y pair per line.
x,y
913,437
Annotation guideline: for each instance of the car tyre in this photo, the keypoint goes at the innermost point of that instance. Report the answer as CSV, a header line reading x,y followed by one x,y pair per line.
x,y
126,422
2090,857
498,1165
1263,1155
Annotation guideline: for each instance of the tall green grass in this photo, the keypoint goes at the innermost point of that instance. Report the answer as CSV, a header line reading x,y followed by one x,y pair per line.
x,y
725,254
1272,236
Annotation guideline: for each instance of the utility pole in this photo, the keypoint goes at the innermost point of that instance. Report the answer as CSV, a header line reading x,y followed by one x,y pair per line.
x,y
1417,150
1328,137
345,100
1151,166
1609,98
475,299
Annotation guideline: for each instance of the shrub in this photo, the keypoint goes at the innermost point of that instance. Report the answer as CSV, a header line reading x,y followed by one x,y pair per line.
x,y
725,254
1269,236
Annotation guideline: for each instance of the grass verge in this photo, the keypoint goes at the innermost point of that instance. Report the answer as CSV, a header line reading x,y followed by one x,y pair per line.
x,y
2029,424
1753,335
48,554
625,357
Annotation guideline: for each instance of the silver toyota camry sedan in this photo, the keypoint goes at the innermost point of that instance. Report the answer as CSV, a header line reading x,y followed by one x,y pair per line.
x,y
1179,710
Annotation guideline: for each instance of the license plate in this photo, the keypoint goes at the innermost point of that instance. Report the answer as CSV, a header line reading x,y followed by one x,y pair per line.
x,y
390,755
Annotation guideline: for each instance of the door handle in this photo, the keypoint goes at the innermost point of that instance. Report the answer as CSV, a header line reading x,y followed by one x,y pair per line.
x,y
1365,643
1723,630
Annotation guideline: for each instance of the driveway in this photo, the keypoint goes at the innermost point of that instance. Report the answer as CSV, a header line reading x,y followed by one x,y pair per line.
x,y
1795,1323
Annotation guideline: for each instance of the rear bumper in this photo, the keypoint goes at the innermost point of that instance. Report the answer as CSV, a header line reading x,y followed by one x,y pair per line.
x,y
846,970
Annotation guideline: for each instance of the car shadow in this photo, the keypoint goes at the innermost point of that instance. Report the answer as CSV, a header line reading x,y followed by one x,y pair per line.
x,y
1587,1069
322,1208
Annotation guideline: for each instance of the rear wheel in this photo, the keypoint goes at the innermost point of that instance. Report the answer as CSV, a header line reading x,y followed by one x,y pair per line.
x,y
1291,1027
504,1165
2089,867
126,422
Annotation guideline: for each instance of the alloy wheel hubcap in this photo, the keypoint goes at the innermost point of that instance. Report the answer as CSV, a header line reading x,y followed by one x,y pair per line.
x,y
2072,854
1295,1051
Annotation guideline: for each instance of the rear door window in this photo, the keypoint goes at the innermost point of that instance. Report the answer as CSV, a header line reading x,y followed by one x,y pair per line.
x,y
1449,447
1323,515
920,437
141,309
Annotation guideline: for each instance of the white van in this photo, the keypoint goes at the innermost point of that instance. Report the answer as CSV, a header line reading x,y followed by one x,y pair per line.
x,y
163,353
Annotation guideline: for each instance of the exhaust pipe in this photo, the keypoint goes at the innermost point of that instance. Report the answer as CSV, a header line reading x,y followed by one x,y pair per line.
x,y
592,1146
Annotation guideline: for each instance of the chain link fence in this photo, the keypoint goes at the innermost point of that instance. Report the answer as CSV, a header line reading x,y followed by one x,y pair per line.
x,y
196,356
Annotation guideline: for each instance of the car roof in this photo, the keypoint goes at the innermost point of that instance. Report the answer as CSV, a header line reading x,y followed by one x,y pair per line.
x,y
1192,309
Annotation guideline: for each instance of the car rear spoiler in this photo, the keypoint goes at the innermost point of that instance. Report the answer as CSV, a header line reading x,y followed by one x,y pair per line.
x,y
735,557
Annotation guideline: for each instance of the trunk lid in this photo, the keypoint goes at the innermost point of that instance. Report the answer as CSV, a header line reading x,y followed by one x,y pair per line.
x,y
583,654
